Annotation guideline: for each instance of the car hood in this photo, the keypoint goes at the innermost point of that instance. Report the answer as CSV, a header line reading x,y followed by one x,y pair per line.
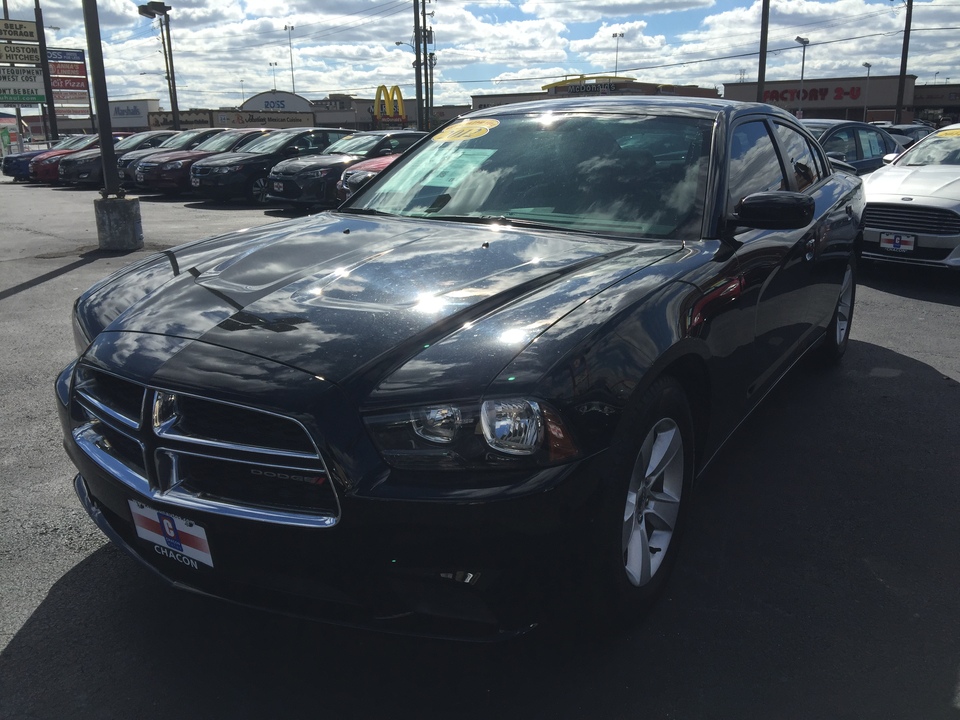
x,y
313,162
237,158
82,155
141,153
165,156
345,297
939,181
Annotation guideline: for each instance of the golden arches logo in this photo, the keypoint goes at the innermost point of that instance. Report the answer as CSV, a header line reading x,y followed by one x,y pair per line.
x,y
388,103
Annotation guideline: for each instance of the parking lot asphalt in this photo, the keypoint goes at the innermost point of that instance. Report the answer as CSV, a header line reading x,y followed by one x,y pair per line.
x,y
819,577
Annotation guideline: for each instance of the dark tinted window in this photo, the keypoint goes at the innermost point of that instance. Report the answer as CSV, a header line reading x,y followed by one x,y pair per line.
x,y
799,157
754,164
843,142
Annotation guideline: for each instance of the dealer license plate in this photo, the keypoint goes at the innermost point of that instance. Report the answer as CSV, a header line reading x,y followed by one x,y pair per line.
x,y
180,541
277,186
195,182
897,242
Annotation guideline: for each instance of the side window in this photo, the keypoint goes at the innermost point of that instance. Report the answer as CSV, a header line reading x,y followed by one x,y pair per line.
x,y
754,164
842,142
799,157
871,142
405,141
248,139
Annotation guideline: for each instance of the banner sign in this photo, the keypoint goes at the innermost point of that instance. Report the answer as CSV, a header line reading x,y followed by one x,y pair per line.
x,y
264,119
75,110
19,30
63,83
67,96
65,55
69,69
21,85
23,54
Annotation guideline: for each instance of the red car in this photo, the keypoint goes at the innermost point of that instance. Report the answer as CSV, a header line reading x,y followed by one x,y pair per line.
x,y
45,168
356,176
169,172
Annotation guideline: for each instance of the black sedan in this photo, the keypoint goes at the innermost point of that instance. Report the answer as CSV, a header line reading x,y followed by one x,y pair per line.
x,y
857,143
313,180
482,388
244,174
186,140
86,167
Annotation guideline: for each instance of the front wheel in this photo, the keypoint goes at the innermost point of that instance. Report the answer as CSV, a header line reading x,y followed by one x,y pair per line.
x,y
838,331
651,475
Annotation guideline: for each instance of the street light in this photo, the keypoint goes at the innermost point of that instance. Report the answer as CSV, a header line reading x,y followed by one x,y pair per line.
x,y
616,57
273,66
152,10
243,97
935,77
866,92
290,29
803,62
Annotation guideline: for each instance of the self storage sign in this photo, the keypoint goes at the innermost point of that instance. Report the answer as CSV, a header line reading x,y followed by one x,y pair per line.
x,y
18,30
19,85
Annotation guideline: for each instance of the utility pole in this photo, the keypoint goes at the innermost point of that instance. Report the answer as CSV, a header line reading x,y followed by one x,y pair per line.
x,y
764,31
417,63
903,62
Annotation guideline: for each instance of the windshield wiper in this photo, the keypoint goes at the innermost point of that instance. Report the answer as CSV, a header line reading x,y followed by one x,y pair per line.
x,y
366,211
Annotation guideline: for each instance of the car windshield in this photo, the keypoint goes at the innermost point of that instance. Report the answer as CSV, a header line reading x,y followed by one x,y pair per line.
x,y
219,143
88,141
939,148
353,145
70,142
269,143
624,175
132,142
817,128
180,140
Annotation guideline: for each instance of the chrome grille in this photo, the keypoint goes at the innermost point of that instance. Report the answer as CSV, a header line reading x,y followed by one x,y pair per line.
x,y
912,219
144,165
200,170
201,453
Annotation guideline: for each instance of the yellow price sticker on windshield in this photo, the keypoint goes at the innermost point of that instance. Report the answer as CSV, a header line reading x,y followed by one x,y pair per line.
x,y
948,133
466,130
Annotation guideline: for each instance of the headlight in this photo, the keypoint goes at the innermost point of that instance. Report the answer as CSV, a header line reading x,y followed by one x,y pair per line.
x,y
502,433
228,169
49,160
309,174
175,165
356,179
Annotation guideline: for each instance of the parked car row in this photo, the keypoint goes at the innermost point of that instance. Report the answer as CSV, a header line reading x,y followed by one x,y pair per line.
x,y
300,166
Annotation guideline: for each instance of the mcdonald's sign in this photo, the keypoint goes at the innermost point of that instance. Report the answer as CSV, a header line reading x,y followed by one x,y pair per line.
x,y
388,104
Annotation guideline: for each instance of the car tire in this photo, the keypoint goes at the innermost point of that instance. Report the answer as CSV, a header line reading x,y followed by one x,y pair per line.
x,y
837,338
644,504
258,191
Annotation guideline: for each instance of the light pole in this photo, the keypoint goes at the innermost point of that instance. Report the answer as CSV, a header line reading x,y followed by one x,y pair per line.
x,y
419,78
290,29
935,77
616,57
866,92
273,66
803,62
243,97
152,10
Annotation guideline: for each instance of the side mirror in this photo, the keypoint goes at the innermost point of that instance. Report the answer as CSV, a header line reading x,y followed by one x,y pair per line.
x,y
775,211
292,150
837,156
887,159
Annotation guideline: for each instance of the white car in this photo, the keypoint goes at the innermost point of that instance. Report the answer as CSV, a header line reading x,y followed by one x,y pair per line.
x,y
913,204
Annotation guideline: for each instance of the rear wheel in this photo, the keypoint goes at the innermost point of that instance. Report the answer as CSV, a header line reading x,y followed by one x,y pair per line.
x,y
838,331
259,189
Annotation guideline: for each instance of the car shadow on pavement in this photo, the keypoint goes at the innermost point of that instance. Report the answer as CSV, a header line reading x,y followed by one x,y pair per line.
x,y
818,579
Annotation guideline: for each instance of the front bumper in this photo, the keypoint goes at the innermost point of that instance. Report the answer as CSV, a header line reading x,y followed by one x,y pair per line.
x,y
469,570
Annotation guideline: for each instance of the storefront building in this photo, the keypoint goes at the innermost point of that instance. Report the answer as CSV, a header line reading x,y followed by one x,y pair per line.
x,y
845,98
592,86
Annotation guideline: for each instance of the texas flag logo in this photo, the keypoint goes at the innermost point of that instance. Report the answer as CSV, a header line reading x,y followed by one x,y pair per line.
x,y
169,531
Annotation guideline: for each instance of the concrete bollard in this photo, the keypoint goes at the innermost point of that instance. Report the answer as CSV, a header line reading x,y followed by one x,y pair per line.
x,y
118,223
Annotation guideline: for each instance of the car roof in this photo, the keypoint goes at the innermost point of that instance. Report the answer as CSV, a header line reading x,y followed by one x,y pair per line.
x,y
677,105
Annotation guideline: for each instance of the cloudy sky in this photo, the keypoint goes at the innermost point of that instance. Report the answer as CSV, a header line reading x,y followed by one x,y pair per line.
x,y
224,49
